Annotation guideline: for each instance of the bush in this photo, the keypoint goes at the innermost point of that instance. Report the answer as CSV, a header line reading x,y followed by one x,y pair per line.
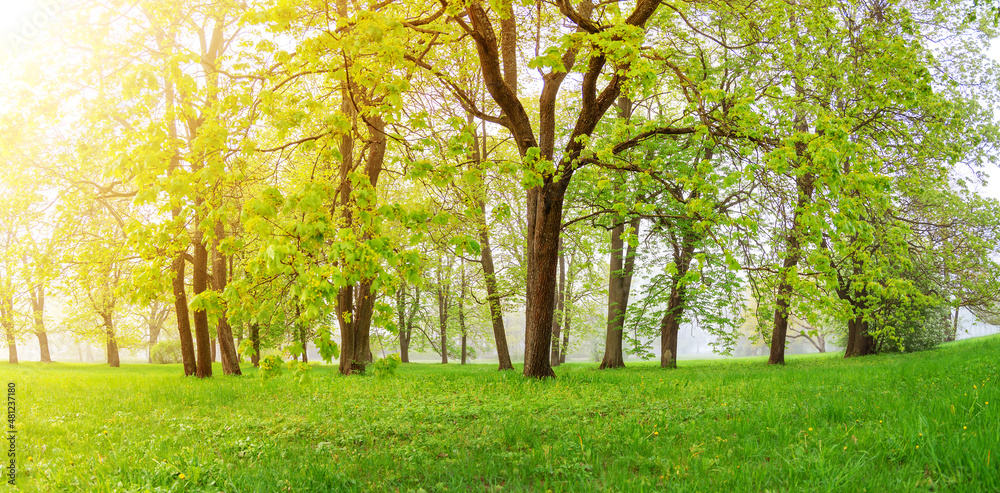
x,y
166,352
386,367
271,366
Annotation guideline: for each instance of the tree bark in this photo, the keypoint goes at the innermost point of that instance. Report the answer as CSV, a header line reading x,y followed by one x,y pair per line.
x,y
670,324
199,282
560,308
805,186
545,201
461,315
954,327
112,343
38,310
255,342
405,331
443,303
622,264
223,331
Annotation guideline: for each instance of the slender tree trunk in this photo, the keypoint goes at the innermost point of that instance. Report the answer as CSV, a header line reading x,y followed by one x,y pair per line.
x,y
200,284
560,310
793,254
509,47
255,342
304,340
112,343
179,264
38,311
154,331
954,327
7,312
619,284
671,322
223,331
461,314
405,329
442,297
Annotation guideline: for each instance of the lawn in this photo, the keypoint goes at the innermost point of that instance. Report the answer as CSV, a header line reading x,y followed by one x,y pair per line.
x,y
925,421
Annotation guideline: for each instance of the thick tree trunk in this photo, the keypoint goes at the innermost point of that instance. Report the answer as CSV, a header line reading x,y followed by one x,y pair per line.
x,y
545,206
545,201
560,310
859,341
255,342
112,343
622,264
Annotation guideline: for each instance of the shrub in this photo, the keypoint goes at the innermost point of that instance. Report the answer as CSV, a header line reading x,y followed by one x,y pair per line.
x,y
165,352
386,367
271,366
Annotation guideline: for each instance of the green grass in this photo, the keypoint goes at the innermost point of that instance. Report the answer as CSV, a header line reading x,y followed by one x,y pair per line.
x,y
822,423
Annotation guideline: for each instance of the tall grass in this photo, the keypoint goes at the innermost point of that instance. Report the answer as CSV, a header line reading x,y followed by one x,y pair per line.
x,y
925,421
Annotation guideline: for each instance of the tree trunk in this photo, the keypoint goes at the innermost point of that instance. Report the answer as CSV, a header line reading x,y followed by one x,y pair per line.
x,y
215,356
401,320
793,253
954,327
859,341
7,318
443,320
560,310
545,206
545,201
37,311
223,331
304,340
461,314
671,322
112,343
464,342
199,284
255,342
622,264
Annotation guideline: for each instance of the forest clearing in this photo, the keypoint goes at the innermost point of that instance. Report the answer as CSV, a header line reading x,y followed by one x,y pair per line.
x,y
926,421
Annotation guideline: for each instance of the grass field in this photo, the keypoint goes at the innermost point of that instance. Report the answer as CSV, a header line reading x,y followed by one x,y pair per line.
x,y
926,421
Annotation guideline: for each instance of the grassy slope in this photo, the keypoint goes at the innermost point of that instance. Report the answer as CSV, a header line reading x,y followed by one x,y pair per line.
x,y
885,423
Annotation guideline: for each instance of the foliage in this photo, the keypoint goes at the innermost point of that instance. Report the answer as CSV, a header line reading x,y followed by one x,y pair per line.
x,y
386,367
164,352
300,372
270,366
